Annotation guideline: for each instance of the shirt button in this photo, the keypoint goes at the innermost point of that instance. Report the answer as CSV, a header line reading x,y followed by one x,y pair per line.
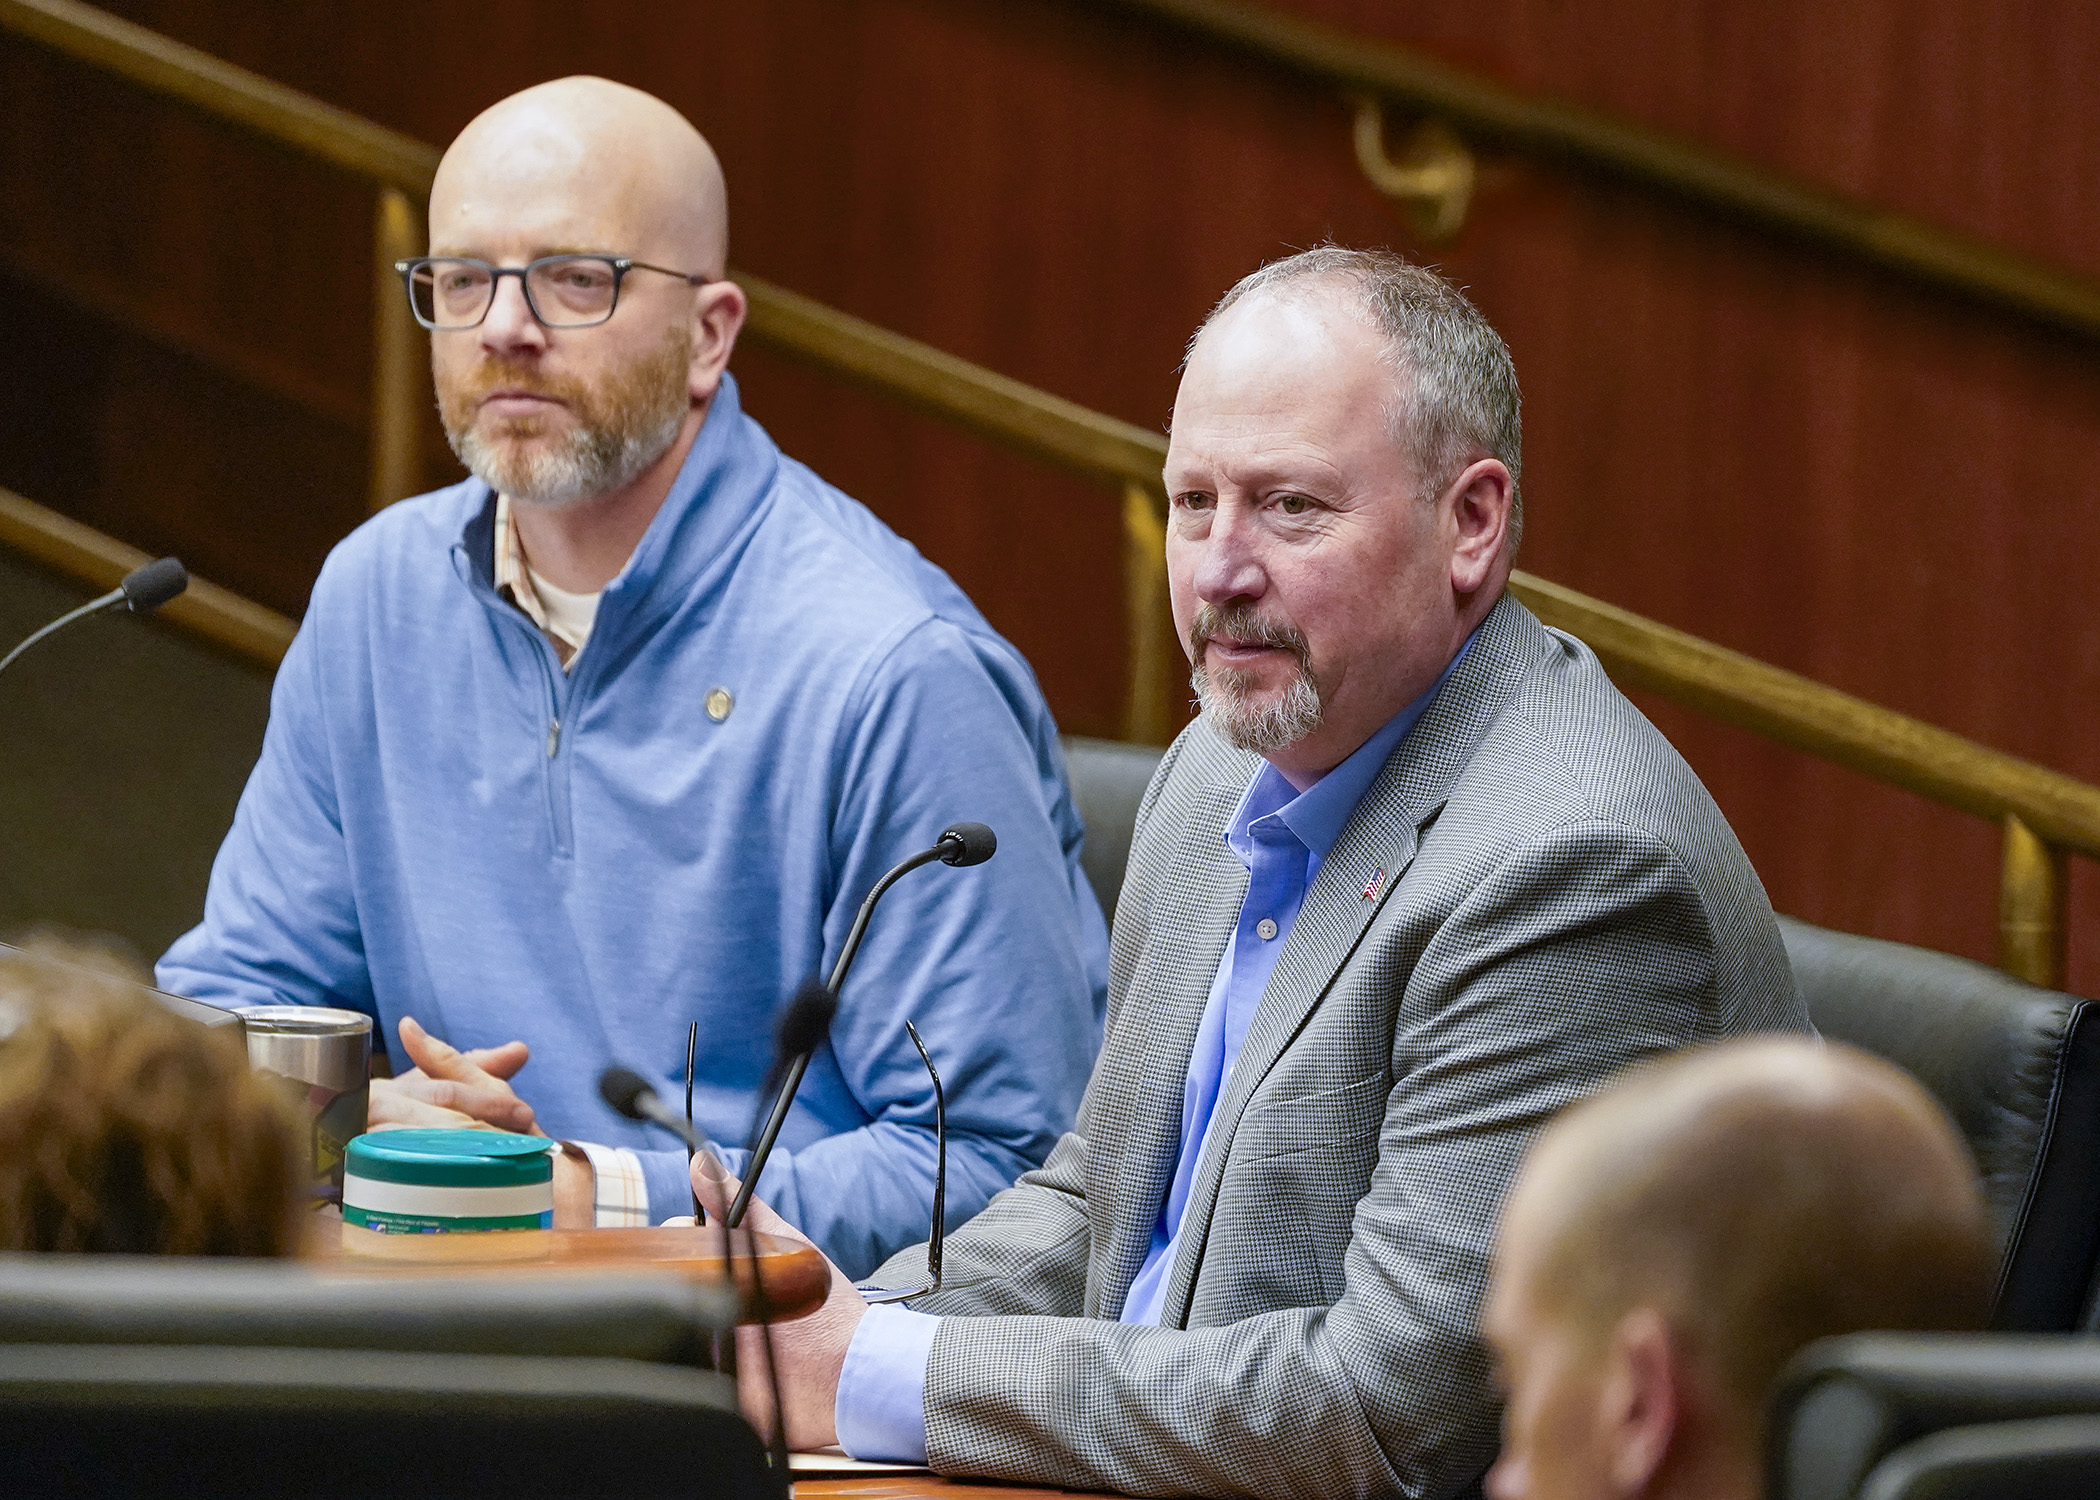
x,y
1266,927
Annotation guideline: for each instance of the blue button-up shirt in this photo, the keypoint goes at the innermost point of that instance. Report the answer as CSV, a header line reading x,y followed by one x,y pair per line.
x,y
1281,835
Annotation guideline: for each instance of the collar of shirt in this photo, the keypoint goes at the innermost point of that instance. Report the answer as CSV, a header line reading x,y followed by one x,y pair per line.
x,y
1315,816
567,626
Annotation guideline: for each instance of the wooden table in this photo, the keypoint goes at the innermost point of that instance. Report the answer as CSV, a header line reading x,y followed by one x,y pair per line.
x,y
794,1277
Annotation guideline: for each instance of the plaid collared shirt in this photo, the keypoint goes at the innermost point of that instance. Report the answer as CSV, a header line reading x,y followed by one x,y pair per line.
x,y
516,582
622,1193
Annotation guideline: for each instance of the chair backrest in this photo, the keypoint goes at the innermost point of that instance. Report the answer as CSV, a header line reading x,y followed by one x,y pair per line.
x,y
1108,782
2019,1070
292,1423
1845,1404
2049,1458
117,1299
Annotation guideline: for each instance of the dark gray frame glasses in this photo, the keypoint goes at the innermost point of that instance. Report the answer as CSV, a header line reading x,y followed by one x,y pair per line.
x,y
934,1240
937,1238
450,293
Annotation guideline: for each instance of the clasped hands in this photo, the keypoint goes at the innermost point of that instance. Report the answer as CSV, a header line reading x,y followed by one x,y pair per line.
x,y
455,1090
470,1090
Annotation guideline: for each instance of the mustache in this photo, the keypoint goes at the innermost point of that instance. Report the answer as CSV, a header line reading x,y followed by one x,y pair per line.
x,y
507,375
1241,623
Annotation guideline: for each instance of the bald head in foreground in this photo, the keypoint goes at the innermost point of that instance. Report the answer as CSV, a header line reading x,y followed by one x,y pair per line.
x,y
610,740
1673,1241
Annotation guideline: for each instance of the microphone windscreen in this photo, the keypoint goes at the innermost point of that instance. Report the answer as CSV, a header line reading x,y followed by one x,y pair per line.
x,y
623,1089
968,844
147,589
807,1021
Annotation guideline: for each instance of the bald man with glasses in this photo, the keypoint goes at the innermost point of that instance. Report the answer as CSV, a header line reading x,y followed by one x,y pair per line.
x,y
610,740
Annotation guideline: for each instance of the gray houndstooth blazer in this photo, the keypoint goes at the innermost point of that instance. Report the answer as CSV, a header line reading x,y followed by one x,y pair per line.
x,y
1560,897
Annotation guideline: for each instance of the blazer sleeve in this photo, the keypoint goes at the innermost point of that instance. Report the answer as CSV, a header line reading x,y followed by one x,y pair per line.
x,y
1025,1254
1581,953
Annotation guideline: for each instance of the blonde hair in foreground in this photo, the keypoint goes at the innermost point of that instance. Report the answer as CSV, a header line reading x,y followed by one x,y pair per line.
x,y
1760,1195
124,1128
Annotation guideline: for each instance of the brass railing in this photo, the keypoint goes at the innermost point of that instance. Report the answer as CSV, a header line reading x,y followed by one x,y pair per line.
x,y
2044,815
204,609
1369,73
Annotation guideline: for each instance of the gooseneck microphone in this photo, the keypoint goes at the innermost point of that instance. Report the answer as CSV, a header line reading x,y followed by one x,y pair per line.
x,y
632,1095
143,591
959,844
804,1025
808,1019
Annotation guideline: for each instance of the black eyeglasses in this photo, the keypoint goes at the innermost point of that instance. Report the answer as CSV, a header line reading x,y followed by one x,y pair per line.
x,y
448,292
940,1189
939,1232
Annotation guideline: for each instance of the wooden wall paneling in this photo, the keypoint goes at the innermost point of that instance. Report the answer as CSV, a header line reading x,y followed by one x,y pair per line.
x,y
1775,450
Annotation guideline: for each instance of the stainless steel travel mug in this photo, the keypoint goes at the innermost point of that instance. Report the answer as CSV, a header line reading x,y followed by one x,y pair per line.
x,y
322,1058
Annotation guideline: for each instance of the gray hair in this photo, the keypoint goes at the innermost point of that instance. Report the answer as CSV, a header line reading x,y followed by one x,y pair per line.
x,y
1463,399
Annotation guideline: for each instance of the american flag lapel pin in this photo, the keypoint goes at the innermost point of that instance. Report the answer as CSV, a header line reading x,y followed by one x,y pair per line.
x,y
1371,886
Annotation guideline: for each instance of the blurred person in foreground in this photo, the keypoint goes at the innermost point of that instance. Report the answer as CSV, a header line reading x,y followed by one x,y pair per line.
x,y
613,737
1419,877
126,1129
1671,1242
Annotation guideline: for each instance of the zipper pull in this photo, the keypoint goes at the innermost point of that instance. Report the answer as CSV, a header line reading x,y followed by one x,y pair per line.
x,y
553,737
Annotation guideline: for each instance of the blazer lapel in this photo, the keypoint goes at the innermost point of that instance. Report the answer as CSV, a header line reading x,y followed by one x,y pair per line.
x,y
1187,930
1382,834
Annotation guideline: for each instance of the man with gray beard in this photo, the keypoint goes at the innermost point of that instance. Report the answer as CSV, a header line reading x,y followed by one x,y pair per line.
x,y
1418,877
612,739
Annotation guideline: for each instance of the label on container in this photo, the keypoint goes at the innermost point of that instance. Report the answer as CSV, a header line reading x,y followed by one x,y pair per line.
x,y
386,1223
418,1208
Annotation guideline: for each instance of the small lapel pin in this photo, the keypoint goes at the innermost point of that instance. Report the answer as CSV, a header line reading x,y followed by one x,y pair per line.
x,y
1371,886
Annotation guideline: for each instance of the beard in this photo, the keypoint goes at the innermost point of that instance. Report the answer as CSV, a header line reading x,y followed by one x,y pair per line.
x,y
1227,696
622,425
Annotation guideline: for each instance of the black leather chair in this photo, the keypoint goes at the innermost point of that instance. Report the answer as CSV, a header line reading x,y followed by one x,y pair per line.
x,y
111,1299
2050,1458
293,1423
2018,1067
1109,779
1916,1415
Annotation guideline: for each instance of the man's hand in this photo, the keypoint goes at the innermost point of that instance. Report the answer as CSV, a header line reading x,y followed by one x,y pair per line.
x,y
809,1352
451,1088
455,1090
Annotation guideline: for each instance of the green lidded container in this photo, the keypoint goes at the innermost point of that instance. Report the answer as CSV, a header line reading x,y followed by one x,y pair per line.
x,y
448,1181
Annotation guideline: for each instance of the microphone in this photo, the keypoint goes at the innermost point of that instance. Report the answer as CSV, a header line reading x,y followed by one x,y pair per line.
x,y
143,590
804,1026
147,588
808,1021
959,844
968,844
632,1095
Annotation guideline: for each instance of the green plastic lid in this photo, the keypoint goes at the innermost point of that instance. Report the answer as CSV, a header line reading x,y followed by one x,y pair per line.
x,y
450,1158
